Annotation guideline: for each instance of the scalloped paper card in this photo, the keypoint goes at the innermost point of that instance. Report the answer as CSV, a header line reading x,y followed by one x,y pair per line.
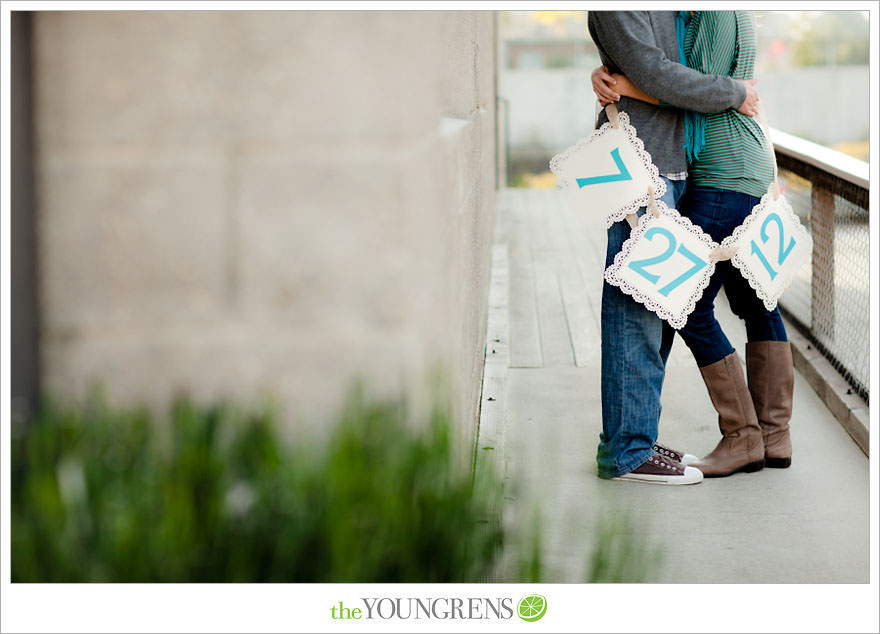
x,y
664,264
608,173
771,246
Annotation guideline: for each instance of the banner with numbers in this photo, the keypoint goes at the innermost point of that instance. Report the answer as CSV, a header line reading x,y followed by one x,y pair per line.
x,y
664,264
771,245
609,173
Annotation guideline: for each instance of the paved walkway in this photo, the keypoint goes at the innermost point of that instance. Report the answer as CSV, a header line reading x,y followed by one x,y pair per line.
x,y
805,524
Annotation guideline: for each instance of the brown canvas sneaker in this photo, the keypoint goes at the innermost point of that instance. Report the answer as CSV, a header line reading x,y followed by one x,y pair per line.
x,y
660,469
678,456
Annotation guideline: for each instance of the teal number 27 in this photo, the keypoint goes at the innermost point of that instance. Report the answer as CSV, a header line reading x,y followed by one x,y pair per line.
x,y
783,251
641,266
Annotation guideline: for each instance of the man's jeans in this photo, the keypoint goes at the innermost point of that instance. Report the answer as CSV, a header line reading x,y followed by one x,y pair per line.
x,y
718,212
635,346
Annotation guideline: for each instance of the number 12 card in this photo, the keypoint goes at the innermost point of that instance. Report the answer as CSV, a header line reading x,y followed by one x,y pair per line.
x,y
771,245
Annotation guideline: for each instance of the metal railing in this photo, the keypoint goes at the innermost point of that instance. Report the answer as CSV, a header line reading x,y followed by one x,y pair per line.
x,y
830,301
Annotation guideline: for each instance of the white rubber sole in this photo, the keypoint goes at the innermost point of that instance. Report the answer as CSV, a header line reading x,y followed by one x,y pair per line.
x,y
691,476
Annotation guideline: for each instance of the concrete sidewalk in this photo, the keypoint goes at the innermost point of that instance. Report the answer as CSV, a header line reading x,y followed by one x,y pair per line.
x,y
542,417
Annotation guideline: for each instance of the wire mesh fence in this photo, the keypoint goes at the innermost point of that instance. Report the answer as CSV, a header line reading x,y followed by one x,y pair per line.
x,y
829,300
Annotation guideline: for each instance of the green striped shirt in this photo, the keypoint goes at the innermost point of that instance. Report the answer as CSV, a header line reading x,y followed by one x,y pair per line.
x,y
736,155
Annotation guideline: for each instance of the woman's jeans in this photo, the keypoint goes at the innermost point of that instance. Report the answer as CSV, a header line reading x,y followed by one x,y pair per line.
x,y
635,346
718,212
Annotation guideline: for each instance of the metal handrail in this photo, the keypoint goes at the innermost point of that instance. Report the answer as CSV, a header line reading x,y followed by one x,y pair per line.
x,y
831,161
831,174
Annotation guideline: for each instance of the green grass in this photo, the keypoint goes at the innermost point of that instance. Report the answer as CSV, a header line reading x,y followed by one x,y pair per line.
x,y
214,495
621,554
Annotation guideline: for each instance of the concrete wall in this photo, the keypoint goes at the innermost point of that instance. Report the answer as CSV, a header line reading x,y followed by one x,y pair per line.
x,y
240,204
24,352
551,109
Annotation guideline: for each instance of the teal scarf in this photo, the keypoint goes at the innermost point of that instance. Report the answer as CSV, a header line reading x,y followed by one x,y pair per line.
x,y
694,122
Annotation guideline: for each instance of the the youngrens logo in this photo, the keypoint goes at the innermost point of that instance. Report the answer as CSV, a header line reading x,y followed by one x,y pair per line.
x,y
530,608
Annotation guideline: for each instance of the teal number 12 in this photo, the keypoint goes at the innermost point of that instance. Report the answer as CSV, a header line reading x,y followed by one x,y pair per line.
x,y
783,251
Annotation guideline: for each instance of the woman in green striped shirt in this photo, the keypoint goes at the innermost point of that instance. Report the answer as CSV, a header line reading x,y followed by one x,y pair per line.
x,y
731,166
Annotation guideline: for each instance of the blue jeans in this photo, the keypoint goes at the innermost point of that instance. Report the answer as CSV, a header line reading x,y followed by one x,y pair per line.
x,y
718,212
635,346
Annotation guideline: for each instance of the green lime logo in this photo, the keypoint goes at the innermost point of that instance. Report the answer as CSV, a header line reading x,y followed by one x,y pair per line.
x,y
532,607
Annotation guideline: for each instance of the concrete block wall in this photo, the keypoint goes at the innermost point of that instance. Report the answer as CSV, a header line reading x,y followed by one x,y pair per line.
x,y
234,205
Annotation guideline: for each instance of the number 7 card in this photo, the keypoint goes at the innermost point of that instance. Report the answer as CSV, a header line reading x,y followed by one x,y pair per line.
x,y
664,264
609,173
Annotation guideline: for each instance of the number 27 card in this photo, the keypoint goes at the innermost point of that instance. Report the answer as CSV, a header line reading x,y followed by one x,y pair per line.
x,y
664,265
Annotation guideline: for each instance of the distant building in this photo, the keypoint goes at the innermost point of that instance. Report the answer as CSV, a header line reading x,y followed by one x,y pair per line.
x,y
531,54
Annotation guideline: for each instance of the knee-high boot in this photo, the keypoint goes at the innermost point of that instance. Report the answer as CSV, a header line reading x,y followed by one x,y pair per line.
x,y
742,446
771,383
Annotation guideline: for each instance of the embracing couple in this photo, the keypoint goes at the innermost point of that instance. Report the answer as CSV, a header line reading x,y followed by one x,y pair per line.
x,y
686,81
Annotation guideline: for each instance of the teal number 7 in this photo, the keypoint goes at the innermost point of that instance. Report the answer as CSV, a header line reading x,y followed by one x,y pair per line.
x,y
639,266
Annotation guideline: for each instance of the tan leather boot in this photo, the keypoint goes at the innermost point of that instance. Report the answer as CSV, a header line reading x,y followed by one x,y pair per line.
x,y
742,446
771,383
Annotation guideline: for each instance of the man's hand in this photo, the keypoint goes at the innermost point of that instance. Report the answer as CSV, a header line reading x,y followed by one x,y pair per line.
x,y
749,107
602,82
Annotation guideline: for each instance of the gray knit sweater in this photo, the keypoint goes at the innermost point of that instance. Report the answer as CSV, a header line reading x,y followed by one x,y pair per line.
x,y
642,45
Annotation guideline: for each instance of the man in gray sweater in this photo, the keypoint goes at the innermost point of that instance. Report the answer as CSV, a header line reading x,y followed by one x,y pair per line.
x,y
635,342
